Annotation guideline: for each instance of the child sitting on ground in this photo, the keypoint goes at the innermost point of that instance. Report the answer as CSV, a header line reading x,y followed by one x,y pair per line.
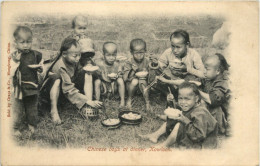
x,y
179,63
25,65
62,80
110,73
136,64
195,128
215,89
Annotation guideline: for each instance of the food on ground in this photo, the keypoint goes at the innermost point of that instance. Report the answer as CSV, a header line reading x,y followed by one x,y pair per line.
x,y
111,121
91,68
172,113
131,116
141,74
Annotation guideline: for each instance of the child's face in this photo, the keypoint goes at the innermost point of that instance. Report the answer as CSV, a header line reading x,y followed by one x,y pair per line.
x,y
187,99
179,48
80,27
211,68
138,53
110,54
24,41
72,55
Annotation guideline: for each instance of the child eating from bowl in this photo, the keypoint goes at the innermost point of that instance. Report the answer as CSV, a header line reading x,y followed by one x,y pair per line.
x,y
195,128
138,63
62,80
110,77
215,91
180,63
26,63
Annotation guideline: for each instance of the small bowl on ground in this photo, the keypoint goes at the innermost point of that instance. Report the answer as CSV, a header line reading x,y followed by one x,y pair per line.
x,y
130,117
111,123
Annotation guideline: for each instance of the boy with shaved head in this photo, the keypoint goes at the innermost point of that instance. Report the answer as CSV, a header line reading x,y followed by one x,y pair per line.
x,y
136,64
110,74
215,89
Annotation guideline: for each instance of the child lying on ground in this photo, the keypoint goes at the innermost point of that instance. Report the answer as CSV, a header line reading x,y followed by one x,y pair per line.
x,y
215,89
195,128
62,80
26,64
137,63
110,73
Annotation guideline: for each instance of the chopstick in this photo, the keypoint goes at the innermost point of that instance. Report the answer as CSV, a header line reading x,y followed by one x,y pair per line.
x,y
155,80
173,101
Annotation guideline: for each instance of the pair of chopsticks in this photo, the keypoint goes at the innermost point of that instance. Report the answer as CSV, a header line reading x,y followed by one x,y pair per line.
x,y
154,81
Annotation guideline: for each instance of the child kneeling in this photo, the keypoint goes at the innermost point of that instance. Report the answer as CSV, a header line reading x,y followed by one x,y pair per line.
x,y
194,128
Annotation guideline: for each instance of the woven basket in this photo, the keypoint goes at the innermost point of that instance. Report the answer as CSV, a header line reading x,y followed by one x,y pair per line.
x,y
91,112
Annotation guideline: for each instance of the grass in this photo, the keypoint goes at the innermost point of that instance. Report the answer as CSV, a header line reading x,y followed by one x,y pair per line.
x,y
79,132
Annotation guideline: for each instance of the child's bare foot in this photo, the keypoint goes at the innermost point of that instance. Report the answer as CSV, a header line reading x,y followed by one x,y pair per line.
x,y
129,104
31,128
148,107
122,104
55,117
162,117
150,137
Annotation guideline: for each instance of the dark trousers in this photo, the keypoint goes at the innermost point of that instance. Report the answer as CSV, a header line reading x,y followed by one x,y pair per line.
x,y
26,110
31,109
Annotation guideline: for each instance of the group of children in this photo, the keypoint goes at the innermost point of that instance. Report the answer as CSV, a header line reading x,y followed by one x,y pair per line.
x,y
179,69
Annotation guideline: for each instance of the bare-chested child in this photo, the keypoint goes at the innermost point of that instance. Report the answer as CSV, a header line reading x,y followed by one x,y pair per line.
x,y
111,72
137,63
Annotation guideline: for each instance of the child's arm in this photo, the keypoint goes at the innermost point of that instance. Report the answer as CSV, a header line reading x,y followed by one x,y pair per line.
x,y
196,128
205,97
217,95
71,92
197,68
173,82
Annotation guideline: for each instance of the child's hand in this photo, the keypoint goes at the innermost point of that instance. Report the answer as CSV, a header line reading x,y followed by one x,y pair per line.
x,y
40,69
94,104
170,97
183,119
162,79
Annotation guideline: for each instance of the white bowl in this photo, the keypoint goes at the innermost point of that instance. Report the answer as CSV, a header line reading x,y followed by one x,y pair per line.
x,y
141,74
91,68
112,75
172,113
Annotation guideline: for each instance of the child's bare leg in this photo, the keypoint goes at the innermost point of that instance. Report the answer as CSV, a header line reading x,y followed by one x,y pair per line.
x,y
97,89
155,136
131,91
172,137
121,90
88,86
145,94
54,96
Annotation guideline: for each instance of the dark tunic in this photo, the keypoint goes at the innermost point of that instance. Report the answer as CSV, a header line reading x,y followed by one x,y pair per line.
x,y
29,77
201,132
219,94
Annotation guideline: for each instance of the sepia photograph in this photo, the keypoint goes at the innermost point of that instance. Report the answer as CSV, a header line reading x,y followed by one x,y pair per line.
x,y
126,78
